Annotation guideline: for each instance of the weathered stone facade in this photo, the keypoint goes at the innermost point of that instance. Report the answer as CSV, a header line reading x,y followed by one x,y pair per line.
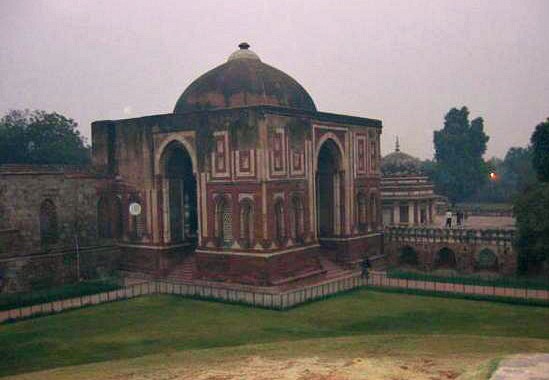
x,y
246,175
465,250
47,215
66,195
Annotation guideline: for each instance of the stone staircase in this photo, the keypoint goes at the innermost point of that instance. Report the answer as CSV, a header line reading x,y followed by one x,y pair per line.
x,y
333,270
184,270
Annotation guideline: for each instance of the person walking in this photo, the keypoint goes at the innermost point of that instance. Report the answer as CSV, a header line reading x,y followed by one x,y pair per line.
x,y
365,268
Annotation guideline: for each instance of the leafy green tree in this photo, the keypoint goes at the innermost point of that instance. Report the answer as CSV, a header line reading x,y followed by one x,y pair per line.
x,y
532,208
540,146
531,211
459,146
517,171
38,137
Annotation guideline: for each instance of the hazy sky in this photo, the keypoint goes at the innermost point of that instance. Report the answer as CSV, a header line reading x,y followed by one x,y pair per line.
x,y
404,62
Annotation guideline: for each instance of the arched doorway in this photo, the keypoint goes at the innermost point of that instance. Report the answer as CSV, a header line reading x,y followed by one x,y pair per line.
x,y
180,195
445,258
408,256
329,190
486,260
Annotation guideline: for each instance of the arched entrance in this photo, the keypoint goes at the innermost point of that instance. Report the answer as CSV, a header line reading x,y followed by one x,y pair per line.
x,y
180,195
329,190
445,258
408,256
486,260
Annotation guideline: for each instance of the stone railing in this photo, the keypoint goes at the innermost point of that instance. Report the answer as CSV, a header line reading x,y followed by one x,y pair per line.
x,y
449,235
258,298
276,301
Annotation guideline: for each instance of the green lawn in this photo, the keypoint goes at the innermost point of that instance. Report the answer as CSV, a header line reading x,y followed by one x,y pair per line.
x,y
166,324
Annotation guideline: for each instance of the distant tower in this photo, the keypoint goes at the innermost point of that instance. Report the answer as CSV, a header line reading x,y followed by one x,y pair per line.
x,y
397,145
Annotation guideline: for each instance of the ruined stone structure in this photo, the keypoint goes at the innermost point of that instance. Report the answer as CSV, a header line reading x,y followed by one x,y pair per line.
x,y
408,198
465,250
246,176
45,207
45,213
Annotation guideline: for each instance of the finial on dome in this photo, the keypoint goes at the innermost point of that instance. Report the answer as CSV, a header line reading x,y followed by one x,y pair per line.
x,y
243,52
397,145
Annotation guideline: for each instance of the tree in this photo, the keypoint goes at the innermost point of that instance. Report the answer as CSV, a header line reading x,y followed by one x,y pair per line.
x,y
459,146
532,208
540,146
517,171
38,137
531,211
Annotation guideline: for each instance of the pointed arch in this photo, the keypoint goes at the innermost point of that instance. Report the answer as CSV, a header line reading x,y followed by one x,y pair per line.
x,y
179,193
223,222
330,191
279,222
408,256
445,258
297,218
246,223
486,260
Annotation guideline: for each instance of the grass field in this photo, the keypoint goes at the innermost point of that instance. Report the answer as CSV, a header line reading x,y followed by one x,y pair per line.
x,y
167,334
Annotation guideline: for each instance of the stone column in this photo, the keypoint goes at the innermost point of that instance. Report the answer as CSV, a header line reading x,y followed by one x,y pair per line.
x,y
410,213
396,213
337,203
166,209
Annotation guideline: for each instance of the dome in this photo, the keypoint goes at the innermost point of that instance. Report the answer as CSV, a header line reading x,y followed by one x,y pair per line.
x,y
244,80
400,164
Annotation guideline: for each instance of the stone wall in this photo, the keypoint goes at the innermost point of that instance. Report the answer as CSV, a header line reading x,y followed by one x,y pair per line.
x,y
423,247
41,271
28,261
24,189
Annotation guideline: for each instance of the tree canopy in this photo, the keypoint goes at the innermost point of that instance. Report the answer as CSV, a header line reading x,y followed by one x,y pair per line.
x,y
39,137
531,208
459,146
540,146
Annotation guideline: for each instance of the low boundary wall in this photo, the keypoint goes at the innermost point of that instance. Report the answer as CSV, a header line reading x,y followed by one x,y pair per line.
x,y
277,301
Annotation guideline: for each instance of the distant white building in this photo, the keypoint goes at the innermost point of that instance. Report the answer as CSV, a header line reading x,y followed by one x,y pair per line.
x,y
408,197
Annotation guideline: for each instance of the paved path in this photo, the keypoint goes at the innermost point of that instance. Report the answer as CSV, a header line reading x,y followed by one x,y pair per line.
x,y
523,367
480,222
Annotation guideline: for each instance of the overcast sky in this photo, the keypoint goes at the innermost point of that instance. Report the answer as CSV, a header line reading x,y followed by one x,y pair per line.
x,y
404,62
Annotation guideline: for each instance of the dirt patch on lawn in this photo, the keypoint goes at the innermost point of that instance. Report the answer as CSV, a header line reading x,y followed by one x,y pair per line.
x,y
314,368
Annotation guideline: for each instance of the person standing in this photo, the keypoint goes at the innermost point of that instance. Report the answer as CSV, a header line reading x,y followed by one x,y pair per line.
x,y
448,219
459,218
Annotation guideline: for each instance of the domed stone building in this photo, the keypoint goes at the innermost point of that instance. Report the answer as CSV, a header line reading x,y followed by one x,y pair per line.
x,y
407,194
245,182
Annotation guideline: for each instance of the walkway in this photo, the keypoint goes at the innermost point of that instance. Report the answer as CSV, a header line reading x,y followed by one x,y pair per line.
x,y
523,367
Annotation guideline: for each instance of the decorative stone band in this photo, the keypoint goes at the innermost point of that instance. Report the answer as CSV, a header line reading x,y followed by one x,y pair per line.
x,y
426,234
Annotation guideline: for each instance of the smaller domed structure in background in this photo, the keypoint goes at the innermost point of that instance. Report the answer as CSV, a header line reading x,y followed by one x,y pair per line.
x,y
408,197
